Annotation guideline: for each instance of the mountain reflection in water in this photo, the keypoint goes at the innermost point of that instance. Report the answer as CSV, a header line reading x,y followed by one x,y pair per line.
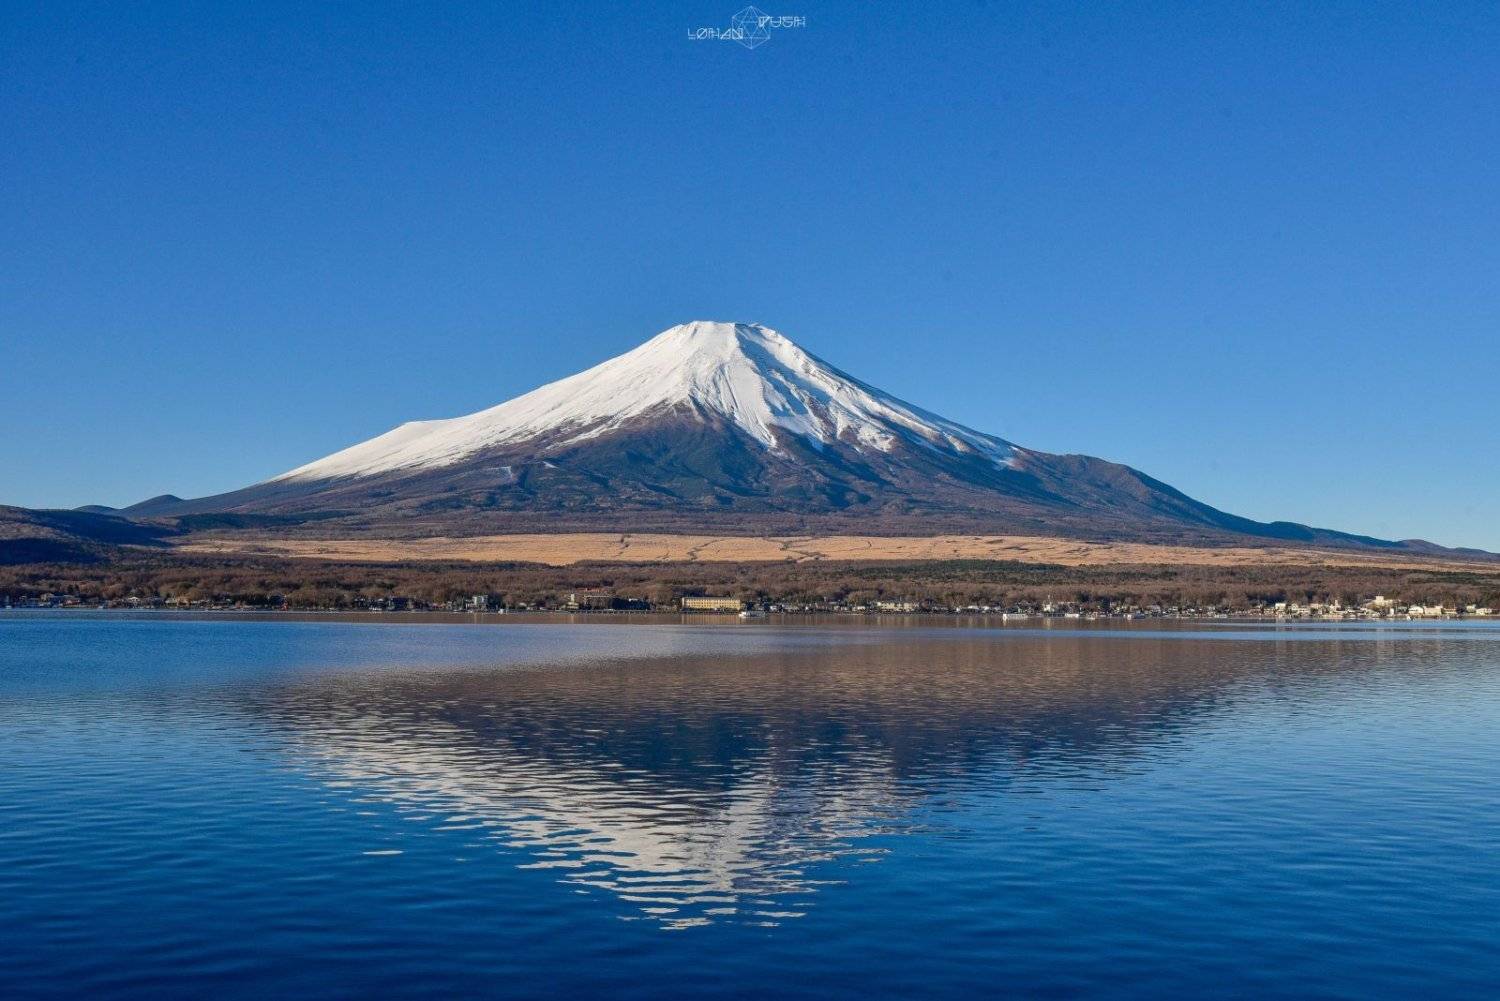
x,y
698,788
232,807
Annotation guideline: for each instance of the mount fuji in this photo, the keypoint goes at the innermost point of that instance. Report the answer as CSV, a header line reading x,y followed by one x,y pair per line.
x,y
727,427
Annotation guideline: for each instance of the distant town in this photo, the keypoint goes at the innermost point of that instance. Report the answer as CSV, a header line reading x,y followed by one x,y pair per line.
x,y
1378,607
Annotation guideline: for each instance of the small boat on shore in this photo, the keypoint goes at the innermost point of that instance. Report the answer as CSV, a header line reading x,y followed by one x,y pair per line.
x,y
752,613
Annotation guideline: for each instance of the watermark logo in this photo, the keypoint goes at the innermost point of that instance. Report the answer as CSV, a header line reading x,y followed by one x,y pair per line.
x,y
750,27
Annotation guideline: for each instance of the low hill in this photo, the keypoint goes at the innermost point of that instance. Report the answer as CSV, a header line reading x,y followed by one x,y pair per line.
x,y
32,536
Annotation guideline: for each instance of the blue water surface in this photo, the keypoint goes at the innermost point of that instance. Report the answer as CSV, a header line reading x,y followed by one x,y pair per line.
x,y
235,807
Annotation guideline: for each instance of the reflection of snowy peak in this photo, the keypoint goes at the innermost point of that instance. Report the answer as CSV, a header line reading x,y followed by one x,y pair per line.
x,y
751,376
683,864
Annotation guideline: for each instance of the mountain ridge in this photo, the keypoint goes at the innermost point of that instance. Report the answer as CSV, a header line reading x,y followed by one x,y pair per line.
x,y
733,428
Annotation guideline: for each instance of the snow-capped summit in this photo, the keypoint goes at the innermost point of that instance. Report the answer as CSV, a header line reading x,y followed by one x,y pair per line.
x,y
726,428
753,377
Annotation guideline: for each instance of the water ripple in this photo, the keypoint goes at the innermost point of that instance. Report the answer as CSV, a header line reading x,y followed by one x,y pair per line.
x,y
317,808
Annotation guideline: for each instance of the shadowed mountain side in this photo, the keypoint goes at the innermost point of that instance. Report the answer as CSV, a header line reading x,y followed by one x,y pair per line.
x,y
697,473
28,536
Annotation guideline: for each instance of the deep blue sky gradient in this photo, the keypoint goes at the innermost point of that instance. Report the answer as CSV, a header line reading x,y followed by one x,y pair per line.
x,y
1253,250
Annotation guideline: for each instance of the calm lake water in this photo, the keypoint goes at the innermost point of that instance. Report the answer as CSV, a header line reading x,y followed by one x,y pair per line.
x,y
251,808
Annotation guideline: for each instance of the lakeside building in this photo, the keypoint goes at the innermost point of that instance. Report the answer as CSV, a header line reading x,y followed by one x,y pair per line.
x,y
712,604
583,601
604,601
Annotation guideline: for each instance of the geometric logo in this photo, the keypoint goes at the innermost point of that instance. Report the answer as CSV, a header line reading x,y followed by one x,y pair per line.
x,y
750,27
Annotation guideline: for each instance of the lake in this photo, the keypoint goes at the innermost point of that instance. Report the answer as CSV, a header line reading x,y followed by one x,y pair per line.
x,y
232,806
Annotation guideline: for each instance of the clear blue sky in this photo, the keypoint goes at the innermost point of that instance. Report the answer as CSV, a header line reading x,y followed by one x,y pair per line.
x,y
1253,250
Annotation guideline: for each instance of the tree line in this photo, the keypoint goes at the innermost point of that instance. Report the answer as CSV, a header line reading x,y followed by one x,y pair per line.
x,y
261,582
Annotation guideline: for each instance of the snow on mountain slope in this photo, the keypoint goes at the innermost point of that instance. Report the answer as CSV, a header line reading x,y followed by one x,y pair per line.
x,y
750,375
